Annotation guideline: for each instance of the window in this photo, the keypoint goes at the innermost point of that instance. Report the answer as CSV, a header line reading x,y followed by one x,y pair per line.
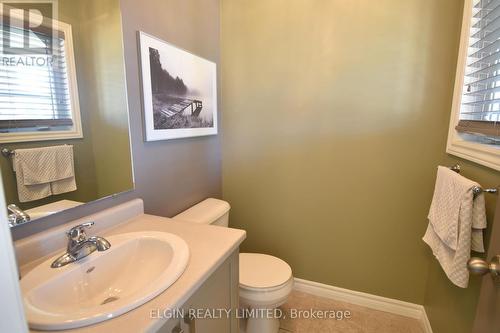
x,y
38,92
475,122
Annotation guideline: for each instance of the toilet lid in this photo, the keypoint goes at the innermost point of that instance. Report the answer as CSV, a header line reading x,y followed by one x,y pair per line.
x,y
263,271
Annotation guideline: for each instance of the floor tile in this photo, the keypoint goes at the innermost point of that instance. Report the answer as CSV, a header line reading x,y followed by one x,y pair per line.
x,y
362,319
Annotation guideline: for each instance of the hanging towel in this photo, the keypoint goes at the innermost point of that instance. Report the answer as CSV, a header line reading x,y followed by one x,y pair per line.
x,y
63,186
456,222
41,172
29,192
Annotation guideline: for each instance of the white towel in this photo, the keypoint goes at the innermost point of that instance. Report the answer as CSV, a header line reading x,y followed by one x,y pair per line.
x,y
456,220
41,172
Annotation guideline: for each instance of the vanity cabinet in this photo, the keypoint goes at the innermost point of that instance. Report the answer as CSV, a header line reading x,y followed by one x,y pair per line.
x,y
218,293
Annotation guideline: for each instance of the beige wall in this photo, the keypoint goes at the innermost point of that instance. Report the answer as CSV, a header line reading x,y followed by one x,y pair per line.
x,y
335,118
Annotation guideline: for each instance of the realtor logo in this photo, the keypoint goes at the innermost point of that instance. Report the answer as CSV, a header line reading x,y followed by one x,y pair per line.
x,y
27,27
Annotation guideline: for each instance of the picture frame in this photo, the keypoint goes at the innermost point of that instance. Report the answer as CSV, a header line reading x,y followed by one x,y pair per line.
x,y
179,91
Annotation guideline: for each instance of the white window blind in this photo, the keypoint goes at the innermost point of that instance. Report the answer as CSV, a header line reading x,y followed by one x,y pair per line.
x,y
35,94
480,105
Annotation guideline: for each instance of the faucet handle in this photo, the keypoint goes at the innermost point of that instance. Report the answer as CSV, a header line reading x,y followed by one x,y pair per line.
x,y
77,233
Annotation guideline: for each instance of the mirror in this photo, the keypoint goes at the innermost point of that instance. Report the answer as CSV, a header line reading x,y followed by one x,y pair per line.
x,y
63,93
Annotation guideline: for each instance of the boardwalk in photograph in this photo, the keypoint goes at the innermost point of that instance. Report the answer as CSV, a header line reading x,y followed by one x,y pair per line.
x,y
194,106
178,112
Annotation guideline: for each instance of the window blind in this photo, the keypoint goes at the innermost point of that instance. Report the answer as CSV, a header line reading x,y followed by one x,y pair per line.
x,y
480,105
34,89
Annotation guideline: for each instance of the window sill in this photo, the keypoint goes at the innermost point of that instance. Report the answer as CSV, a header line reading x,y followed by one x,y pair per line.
x,y
40,136
482,154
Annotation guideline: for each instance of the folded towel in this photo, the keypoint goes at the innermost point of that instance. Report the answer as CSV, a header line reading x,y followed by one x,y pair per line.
x,y
456,220
41,172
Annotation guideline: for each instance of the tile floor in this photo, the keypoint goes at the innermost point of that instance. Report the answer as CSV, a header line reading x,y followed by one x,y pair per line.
x,y
363,320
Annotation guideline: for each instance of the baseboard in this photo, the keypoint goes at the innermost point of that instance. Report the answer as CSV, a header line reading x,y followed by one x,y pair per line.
x,y
425,322
380,303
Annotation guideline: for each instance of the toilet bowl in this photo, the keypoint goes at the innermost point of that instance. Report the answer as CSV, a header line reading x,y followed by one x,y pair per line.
x,y
265,284
265,281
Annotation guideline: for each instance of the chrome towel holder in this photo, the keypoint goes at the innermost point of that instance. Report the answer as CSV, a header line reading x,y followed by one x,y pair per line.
x,y
7,152
476,190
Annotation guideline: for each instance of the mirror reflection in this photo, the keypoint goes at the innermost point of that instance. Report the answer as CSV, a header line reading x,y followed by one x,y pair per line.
x,y
63,108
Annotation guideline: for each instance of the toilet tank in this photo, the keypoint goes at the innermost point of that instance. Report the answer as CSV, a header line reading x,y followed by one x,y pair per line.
x,y
209,211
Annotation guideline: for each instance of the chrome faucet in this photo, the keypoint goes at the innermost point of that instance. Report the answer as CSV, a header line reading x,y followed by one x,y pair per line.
x,y
79,246
17,215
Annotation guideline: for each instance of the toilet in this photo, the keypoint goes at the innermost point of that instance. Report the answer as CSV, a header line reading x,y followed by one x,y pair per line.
x,y
265,281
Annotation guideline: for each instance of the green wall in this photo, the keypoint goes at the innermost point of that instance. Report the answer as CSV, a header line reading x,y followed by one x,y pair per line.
x,y
451,309
335,119
103,69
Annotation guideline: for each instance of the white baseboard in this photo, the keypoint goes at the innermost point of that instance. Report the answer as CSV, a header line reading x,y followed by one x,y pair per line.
x,y
425,322
380,303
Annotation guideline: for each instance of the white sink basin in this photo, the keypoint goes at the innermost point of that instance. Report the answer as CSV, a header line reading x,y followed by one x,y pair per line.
x,y
137,267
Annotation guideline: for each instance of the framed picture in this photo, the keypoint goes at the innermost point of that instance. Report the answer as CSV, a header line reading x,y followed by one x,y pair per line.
x,y
179,91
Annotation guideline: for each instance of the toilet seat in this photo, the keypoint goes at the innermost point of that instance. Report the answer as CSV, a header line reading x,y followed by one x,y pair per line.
x,y
261,271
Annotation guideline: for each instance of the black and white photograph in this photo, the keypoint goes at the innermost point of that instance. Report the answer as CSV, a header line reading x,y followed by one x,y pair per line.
x,y
179,90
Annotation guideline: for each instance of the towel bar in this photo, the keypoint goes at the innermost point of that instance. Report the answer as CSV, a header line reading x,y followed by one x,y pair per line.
x,y
476,190
6,152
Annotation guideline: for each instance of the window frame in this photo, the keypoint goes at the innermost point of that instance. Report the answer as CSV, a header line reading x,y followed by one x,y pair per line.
x,y
76,132
480,153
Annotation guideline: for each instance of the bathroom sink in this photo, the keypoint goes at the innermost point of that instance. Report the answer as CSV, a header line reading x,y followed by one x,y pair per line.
x,y
137,267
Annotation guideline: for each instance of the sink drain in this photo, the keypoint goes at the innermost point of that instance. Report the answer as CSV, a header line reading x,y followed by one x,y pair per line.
x,y
109,300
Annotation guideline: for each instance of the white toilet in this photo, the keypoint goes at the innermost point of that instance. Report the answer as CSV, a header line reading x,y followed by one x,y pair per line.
x,y
265,281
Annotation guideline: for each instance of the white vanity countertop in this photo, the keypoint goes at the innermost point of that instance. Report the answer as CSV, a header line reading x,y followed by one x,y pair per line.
x,y
209,247
51,208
